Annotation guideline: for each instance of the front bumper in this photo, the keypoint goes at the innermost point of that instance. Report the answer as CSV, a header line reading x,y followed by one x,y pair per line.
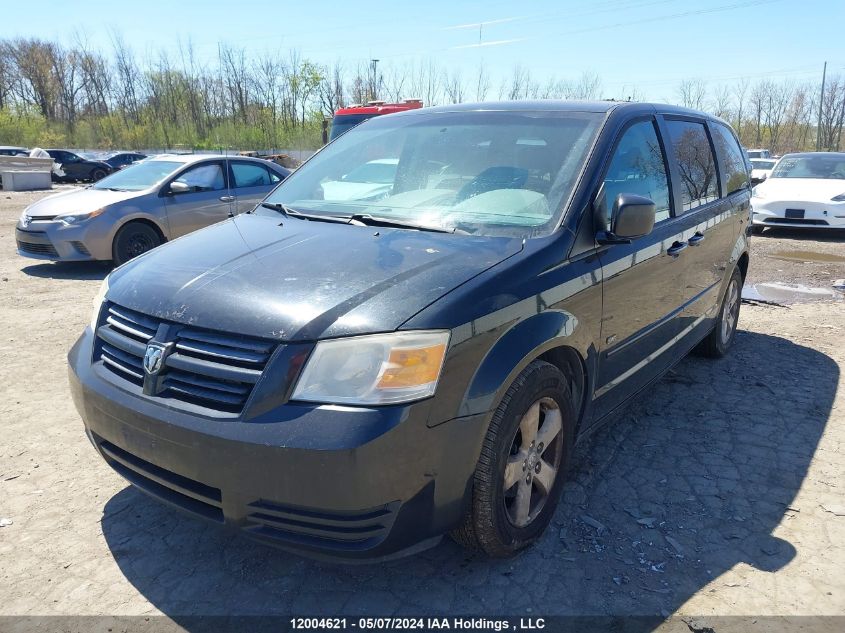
x,y
811,214
53,242
326,481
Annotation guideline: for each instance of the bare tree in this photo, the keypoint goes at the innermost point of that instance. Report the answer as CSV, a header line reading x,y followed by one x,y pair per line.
x,y
832,113
482,83
453,86
722,102
692,93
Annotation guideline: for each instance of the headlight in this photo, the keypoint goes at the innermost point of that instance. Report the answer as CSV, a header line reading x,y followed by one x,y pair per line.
x,y
98,303
839,198
76,218
756,193
372,370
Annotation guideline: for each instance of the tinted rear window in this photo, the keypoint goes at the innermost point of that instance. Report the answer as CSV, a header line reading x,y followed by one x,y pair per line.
x,y
730,158
696,165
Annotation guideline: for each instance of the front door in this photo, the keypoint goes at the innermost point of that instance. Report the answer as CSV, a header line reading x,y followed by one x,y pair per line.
x,y
641,289
206,201
251,182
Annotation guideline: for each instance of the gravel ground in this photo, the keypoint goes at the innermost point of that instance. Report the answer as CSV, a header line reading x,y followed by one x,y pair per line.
x,y
718,493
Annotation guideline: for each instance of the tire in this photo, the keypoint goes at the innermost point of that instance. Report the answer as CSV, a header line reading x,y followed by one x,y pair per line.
x,y
498,521
133,239
721,337
97,174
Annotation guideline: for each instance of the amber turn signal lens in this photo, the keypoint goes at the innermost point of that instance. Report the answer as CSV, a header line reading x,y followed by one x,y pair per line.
x,y
412,367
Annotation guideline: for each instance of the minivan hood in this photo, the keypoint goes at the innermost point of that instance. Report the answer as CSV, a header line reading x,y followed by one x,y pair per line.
x,y
298,280
78,201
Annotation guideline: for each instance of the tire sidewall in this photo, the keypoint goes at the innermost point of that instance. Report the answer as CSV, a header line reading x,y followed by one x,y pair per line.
x,y
545,381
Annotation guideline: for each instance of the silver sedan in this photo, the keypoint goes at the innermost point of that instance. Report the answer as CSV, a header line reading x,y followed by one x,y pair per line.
x,y
138,208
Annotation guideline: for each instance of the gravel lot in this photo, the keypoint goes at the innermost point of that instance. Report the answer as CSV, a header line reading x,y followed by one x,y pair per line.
x,y
720,492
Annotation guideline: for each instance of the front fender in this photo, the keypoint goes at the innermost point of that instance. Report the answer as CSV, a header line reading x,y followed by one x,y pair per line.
x,y
516,348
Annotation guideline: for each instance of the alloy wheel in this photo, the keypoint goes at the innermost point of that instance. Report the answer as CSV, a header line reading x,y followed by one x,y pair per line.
x,y
533,462
730,312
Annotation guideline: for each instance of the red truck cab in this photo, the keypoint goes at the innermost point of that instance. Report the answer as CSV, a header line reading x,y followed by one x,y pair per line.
x,y
347,118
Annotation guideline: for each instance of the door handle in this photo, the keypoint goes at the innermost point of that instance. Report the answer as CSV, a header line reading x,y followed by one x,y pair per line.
x,y
227,198
696,239
676,248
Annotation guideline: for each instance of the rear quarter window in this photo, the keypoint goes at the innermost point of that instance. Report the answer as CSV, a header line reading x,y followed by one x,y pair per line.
x,y
695,163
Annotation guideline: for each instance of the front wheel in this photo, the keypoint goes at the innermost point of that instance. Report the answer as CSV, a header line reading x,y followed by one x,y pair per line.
x,y
522,467
133,239
97,174
720,338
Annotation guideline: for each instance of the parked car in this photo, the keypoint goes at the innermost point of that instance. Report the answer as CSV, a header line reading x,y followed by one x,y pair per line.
x,y
353,379
13,150
75,167
761,168
120,160
139,207
758,153
369,181
805,190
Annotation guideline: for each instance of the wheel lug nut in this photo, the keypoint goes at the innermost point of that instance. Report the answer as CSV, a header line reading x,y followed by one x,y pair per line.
x,y
537,467
540,447
525,465
528,478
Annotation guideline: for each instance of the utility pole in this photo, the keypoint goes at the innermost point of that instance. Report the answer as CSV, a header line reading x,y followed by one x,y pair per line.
x,y
374,85
821,103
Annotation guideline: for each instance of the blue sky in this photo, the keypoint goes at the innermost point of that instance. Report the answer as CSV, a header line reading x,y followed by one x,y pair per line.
x,y
652,44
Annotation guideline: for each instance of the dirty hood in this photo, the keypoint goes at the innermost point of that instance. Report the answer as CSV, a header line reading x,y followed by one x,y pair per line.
x,y
296,280
78,201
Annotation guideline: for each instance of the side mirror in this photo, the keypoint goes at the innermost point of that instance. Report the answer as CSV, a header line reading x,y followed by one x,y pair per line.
x,y
633,217
178,187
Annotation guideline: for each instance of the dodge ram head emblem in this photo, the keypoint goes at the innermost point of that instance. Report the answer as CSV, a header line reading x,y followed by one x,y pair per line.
x,y
152,358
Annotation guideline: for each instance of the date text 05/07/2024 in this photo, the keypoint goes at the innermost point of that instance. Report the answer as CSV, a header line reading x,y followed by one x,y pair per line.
x,y
410,624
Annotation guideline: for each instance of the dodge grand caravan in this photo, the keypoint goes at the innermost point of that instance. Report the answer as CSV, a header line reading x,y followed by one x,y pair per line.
x,y
353,378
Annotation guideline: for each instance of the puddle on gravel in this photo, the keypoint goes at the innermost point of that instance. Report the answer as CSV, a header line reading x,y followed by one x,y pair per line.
x,y
776,292
807,256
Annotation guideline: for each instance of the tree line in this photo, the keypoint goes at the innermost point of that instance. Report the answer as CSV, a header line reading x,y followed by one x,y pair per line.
x,y
72,94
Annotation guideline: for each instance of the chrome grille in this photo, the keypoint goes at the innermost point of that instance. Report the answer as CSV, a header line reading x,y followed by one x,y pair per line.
x,y
208,369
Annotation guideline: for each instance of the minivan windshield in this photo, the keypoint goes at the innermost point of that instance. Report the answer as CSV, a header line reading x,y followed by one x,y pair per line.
x,y
485,173
826,166
139,176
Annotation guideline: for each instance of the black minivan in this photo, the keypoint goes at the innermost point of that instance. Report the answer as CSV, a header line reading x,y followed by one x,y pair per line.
x,y
352,370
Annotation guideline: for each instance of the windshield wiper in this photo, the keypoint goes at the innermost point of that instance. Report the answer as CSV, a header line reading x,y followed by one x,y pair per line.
x,y
293,213
364,219
369,220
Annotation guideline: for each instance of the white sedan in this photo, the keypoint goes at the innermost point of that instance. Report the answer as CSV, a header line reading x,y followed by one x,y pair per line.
x,y
804,190
761,168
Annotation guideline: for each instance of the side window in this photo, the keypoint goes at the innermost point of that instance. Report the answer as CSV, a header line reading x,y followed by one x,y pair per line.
x,y
204,178
696,165
730,158
638,167
250,175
